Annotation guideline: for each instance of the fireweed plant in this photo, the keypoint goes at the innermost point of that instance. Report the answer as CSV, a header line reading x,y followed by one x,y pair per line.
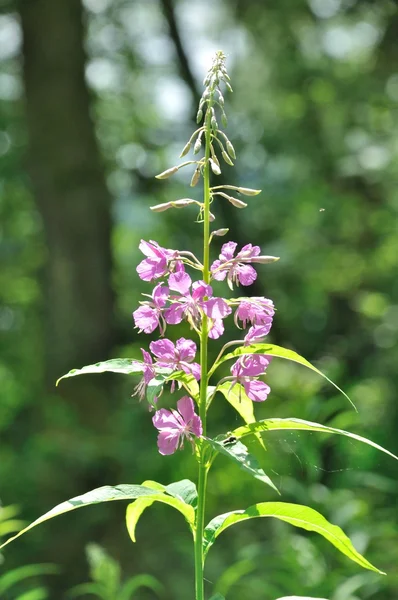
x,y
183,292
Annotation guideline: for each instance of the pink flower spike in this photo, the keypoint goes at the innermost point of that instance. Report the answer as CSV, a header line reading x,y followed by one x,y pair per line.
x,y
246,370
177,425
159,261
149,315
179,357
256,390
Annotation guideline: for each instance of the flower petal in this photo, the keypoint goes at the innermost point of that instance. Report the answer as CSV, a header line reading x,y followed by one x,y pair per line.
x,y
163,349
146,319
174,314
168,441
180,282
186,349
256,390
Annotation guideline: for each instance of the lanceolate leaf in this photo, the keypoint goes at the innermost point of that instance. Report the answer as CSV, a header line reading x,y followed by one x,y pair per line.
x,y
106,493
273,350
185,490
240,455
241,402
115,365
295,514
301,425
135,510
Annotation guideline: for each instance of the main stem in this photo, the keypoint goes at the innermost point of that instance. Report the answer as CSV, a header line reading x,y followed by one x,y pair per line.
x,y
203,468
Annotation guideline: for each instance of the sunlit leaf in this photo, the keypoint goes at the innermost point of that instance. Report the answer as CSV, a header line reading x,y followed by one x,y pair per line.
x,y
295,514
238,398
14,576
273,350
115,365
135,510
139,581
301,425
217,597
106,493
189,382
185,490
239,454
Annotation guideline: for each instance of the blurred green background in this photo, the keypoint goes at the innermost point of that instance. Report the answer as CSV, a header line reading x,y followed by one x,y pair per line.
x,y
95,99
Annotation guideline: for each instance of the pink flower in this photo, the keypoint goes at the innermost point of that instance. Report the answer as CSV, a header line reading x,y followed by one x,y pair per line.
x,y
235,269
148,374
174,426
178,356
149,315
245,370
190,304
256,334
255,310
159,262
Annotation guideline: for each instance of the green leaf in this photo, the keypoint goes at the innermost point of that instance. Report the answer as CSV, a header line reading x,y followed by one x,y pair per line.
x,y
184,490
188,381
240,455
273,350
83,589
217,597
301,425
135,510
115,365
10,578
295,514
238,398
300,598
38,593
155,388
106,493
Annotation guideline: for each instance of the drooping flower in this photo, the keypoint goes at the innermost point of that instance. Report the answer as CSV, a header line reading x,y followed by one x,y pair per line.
x,y
177,425
236,268
178,357
190,303
256,310
246,370
148,374
256,334
159,261
149,315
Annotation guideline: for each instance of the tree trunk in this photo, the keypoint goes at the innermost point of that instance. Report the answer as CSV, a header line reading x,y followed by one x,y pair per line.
x,y
69,186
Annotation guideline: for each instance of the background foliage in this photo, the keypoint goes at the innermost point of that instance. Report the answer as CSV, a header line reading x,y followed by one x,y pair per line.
x,y
88,115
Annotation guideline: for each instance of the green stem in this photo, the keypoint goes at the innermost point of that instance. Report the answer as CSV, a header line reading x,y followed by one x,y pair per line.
x,y
203,467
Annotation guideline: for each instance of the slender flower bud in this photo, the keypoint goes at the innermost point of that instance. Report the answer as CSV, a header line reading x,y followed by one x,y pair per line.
x,y
195,177
227,159
198,144
221,232
235,202
224,119
186,149
167,173
248,191
199,116
230,149
264,260
214,167
173,204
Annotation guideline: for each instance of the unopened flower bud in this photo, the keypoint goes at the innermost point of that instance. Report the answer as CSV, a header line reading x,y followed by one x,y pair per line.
x,y
221,232
228,86
226,158
167,173
195,177
199,115
224,120
236,202
264,260
214,124
186,149
214,167
197,145
211,217
173,204
230,149
248,191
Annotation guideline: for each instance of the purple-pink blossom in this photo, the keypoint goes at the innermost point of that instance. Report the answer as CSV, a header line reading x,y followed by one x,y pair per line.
x,y
235,268
159,261
147,375
256,310
246,370
191,302
149,315
177,425
256,334
178,357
